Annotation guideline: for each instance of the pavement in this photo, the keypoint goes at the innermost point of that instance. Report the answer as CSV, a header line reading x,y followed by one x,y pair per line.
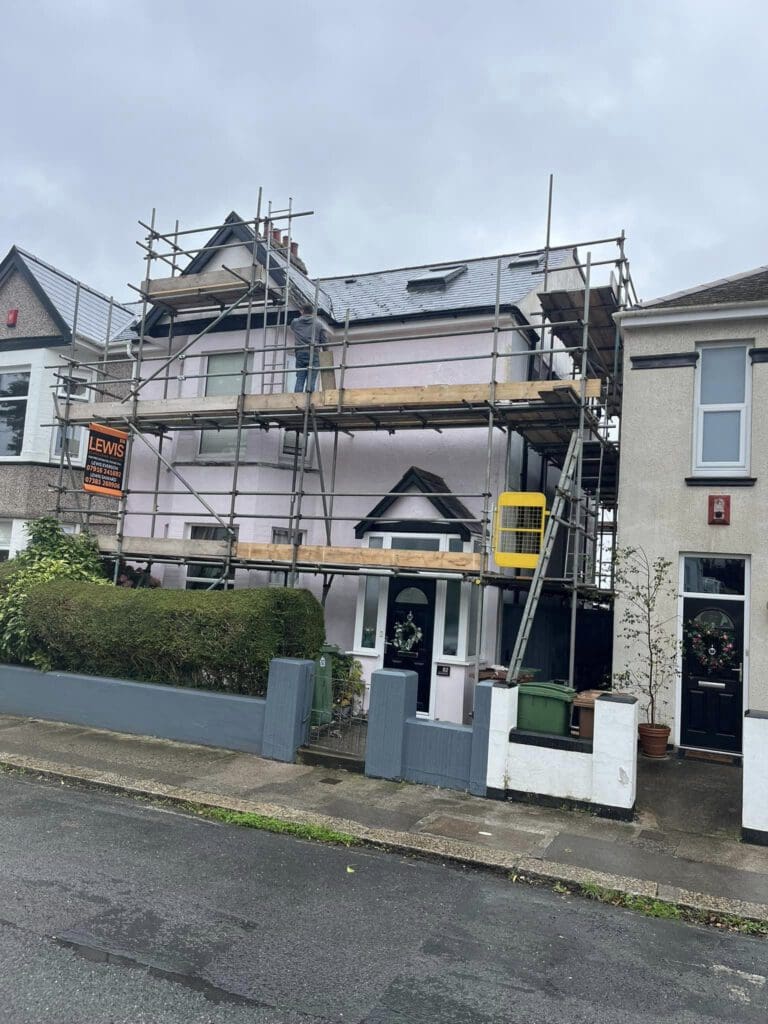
x,y
683,846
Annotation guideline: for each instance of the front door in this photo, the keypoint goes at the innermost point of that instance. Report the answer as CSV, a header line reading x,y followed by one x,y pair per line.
x,y
713,660
409,632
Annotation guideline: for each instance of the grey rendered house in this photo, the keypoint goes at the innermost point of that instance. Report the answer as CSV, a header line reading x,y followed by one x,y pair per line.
x,y
39,308
694,489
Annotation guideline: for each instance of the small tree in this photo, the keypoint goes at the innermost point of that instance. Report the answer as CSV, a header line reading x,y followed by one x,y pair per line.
x,y
50,555
651,646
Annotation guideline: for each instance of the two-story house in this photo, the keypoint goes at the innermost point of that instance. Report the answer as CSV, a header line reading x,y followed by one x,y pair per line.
x,y
377,492
41,308
694,490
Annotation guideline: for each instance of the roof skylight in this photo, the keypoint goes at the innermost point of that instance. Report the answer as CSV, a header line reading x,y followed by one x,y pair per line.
x,y
435,279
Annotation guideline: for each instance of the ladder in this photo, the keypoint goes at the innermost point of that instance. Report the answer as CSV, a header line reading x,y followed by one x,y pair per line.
x,y
563,493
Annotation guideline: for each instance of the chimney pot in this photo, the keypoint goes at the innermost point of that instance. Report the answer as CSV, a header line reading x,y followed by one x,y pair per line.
x,y
275,236
294,248
284,242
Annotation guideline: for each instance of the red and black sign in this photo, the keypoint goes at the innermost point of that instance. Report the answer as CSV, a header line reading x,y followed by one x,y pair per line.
x,y
105,461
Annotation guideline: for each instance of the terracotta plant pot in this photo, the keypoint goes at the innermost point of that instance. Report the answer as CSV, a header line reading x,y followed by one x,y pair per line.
x,y
653,740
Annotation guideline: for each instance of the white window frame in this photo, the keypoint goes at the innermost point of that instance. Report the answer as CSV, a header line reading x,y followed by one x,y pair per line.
x,y
25,398
461,657
222,456
740,467
76,433
5,549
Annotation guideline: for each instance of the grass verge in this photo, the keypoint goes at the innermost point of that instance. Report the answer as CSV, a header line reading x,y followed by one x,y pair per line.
x,y
652,907
246,819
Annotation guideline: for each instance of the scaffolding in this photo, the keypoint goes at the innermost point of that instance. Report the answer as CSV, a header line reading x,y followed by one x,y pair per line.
x,y
131,386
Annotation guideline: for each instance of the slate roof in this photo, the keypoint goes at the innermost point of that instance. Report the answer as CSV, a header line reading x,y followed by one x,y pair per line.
x,y
750,286
417,480
384,294
93,308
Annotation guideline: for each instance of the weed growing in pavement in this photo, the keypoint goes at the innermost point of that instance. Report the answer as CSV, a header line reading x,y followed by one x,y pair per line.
x,y
246,819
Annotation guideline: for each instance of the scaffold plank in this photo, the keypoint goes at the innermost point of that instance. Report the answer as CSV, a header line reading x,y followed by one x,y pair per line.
x,y
308,555
449,399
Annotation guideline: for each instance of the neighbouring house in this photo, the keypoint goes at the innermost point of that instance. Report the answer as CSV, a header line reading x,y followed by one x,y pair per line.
x,y
694,490
40,309
377,493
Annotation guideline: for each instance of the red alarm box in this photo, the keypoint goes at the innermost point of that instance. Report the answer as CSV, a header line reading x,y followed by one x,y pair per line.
x,y
12,318
719,510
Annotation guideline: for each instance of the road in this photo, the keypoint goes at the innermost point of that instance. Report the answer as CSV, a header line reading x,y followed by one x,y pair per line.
x,y
115,912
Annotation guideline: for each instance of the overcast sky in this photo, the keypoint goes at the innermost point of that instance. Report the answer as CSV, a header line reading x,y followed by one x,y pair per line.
x,y
417,131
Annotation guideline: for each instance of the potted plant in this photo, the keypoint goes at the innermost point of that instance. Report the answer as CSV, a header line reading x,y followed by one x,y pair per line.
x,y
644,587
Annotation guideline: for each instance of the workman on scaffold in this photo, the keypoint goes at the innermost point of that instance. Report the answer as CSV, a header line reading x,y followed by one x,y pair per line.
x,y
310,337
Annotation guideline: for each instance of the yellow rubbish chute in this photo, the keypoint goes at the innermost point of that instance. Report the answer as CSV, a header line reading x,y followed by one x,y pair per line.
x,y
518,532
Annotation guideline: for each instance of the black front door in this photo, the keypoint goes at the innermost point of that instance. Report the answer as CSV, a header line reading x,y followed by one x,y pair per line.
x,y
410,628
713,659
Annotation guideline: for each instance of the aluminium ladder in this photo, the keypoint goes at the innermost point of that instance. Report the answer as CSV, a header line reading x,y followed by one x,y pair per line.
x,y
563,493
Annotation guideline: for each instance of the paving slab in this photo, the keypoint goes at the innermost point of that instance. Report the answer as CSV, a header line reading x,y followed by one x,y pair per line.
x,y
624,859
682,841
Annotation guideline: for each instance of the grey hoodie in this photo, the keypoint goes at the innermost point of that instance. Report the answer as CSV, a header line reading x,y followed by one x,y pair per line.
x,y
302,329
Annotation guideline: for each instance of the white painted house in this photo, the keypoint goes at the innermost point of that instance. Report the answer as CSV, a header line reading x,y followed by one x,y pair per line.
x,y
39,308
414,326
694,490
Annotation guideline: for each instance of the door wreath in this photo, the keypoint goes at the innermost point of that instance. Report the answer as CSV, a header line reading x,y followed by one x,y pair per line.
x,y
407,635
712,646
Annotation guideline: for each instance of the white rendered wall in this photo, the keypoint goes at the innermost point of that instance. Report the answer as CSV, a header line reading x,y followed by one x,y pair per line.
x,y
666,517
754,815
606,777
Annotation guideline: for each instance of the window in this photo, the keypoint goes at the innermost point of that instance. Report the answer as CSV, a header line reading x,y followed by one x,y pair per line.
x,y
74,388
14,387
224,374
292,445
722,401
209,575
435,279
72,446
724,576
5,539
371,595
281,535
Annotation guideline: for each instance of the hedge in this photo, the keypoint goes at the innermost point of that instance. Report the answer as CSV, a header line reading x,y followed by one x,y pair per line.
x,y
205,639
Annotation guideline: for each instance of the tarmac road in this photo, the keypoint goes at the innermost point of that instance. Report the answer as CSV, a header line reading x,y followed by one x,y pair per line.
x,y
114,912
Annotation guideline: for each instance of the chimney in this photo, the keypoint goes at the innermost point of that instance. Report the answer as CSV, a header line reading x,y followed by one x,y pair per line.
x,y
296,260
265,228
275,238
284,242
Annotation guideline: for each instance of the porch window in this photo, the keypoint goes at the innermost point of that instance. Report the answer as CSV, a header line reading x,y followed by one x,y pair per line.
x,y
371,596
722,408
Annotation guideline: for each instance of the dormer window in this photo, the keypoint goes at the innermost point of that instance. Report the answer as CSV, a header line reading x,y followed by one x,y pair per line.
x,y
435,279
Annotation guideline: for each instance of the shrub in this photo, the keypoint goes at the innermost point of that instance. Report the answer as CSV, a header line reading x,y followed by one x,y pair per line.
x,y
206,639
50,555
348,684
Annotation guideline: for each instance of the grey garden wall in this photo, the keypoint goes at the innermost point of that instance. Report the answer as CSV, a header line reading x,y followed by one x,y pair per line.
x,y
274,727
402,746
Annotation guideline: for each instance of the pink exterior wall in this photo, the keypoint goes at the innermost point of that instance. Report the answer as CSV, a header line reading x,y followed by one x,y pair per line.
x,y
369,464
